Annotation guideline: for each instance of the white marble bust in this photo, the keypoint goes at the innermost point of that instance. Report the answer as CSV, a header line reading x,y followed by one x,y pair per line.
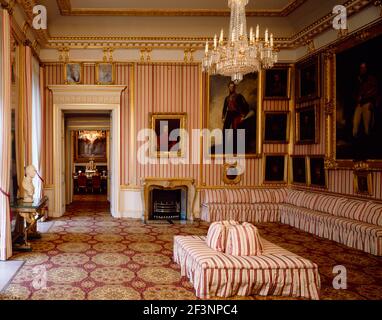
x,y
27,184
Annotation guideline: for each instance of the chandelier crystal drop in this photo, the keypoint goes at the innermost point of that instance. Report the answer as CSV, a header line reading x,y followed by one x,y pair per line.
x,y
240,55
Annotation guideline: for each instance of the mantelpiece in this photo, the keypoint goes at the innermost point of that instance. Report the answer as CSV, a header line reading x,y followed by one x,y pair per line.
x,y
169,184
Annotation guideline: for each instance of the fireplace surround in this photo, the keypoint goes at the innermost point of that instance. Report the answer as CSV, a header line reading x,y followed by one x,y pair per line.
x,y
173,198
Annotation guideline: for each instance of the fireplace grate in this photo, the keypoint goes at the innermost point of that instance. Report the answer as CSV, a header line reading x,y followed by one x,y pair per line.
x,y
166,210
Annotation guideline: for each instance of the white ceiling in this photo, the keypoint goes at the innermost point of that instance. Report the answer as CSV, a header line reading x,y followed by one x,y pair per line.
x,y
177,26
178,4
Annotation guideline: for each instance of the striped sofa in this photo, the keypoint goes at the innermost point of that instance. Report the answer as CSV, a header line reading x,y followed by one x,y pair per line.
x,y
244,205
352,222
276,272
355,223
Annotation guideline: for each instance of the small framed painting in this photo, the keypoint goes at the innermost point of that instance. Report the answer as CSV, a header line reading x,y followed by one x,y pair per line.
x,y
169,134
275,169
317,172
363,182
299,172
276,126
105,73
277,83
73,73
308,79
307,125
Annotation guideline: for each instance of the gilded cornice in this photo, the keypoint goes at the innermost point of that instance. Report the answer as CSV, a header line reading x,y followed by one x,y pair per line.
x,y
301,38
27,6
67,10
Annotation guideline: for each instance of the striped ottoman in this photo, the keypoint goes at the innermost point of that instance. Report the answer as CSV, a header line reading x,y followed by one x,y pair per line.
x,y
277,272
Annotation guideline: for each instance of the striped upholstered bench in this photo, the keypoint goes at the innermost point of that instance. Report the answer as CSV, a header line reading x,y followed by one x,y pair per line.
x,y
276,272
244,205
355,223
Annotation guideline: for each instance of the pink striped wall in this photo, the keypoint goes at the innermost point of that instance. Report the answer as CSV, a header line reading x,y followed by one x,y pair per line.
x,y
54,75
176,87
172,88
342,181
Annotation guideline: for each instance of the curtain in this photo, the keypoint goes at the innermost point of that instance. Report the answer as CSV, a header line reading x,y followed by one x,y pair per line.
x,y
36,126
5,136
24,115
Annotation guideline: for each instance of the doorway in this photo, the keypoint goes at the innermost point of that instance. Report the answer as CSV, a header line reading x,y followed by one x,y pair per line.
x,y
84,98
87,156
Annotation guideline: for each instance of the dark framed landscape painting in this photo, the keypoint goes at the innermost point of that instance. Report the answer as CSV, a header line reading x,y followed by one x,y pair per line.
x,y
359,101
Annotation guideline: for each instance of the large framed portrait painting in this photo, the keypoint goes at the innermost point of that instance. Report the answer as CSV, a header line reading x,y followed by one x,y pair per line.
x,y
233,110
359,102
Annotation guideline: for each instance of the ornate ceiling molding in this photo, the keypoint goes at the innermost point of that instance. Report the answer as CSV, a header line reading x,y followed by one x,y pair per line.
x,y
27,6
66,9
302,38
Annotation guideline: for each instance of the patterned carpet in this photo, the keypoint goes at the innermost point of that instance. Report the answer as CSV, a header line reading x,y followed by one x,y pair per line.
x,y
89,255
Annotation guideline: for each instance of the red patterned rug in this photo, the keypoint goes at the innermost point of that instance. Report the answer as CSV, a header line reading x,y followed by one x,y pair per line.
x,y
87,254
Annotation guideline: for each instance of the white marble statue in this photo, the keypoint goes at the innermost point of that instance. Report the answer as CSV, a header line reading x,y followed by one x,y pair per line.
x,y
27,184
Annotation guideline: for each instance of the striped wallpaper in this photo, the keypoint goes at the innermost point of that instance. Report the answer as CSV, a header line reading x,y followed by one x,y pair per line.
x,y
175,88
54,75
172,88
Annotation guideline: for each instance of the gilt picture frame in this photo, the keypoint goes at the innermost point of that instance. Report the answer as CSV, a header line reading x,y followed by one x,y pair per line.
x,y
318,175
217,91
299,170
275,169
308,79
73,73
168,140
308,124
105,73
277,83
363,182
276,127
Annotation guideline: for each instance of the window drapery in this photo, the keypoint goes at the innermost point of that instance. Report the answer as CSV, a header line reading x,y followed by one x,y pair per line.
x,y
5,136
36,126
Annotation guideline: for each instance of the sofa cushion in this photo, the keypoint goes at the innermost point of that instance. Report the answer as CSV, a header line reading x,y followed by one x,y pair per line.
x,y
237,195
308,200
325,203
217,235
295,197
243,240
261,196
279,195
348,208
214,196
372,213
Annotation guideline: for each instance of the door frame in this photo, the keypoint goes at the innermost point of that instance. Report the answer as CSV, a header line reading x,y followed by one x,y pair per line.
x,y
59,158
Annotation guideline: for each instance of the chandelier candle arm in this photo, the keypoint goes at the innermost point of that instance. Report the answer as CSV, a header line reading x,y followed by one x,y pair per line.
x,y
240,55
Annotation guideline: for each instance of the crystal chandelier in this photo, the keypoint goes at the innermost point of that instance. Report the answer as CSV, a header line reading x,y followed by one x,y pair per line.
x,y
239,55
